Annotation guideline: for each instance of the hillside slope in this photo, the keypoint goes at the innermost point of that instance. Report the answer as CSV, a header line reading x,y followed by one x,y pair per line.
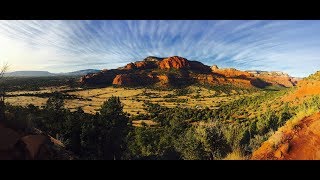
x,y
301,142
305,88
299,138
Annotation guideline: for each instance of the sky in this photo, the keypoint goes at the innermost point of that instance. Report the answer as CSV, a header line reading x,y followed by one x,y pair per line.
x,y
62,46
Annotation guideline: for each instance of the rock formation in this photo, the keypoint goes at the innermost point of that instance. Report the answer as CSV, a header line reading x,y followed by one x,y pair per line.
x,y
176,71
275,78
174,62
214,68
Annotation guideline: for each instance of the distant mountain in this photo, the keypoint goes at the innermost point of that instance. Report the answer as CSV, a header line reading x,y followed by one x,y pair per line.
x,y
29,74
179,71
48,74
80,73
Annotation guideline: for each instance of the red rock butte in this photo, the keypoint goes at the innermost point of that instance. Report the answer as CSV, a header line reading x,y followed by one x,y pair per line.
x,y
158,71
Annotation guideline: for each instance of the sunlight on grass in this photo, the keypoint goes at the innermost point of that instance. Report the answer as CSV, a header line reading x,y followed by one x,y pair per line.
x,y
236,155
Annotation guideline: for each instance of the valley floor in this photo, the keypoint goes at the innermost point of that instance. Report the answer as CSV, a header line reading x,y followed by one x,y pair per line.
x,y
132,98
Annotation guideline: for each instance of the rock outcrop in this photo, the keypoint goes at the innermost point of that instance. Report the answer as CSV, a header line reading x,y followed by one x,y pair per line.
x,y
275,78
214,68
134,79
163,79
177,62
174,62
102,78
16,145
123,79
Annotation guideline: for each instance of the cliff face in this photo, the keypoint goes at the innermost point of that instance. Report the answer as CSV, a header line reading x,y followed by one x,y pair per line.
x,y
123,79
177,62
199,67
176,71
134,79
174,62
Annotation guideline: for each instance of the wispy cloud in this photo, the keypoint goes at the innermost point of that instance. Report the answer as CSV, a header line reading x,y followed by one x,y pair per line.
x,y
290,46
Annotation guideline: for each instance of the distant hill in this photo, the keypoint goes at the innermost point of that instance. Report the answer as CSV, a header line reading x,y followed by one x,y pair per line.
x,y
29,74
48,74
79,73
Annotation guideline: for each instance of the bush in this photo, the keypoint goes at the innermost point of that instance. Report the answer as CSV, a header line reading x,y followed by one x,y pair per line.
x,y
203,142
257,140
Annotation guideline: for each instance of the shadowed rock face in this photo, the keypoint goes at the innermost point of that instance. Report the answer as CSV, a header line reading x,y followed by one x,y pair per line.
x,y
199,67
102,78
177,71
134,79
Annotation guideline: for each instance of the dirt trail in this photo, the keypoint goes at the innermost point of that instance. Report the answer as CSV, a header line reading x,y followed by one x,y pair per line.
x,y
302,143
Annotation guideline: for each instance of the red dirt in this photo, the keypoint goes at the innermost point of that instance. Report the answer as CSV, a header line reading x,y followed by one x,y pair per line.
x,y
303,143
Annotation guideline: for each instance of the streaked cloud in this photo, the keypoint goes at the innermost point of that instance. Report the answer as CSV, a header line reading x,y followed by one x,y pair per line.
x,y
57,46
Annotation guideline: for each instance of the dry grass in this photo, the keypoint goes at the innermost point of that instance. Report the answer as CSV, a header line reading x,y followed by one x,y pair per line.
x,y
131,98
236,155
277,138
138,123
26,100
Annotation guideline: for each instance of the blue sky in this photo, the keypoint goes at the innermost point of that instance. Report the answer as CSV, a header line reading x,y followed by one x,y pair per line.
x,y
60,46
